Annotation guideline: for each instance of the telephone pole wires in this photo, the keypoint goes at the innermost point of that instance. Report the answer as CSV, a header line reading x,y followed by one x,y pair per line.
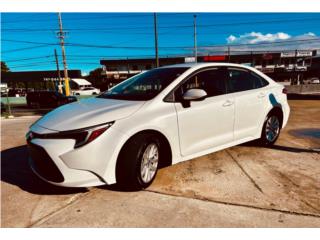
x,y
61,36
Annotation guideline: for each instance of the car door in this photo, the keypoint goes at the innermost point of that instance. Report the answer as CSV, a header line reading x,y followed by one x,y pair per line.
x,y
250,100
208,123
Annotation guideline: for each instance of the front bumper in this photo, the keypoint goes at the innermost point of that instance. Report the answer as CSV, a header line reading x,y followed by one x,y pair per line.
x,y
47,165
57,161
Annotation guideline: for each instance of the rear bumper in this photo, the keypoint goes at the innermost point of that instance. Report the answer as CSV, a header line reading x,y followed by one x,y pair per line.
x,y
286,113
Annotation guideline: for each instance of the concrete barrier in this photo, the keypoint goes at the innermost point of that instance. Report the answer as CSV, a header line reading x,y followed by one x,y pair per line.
x,y
304,89
23,101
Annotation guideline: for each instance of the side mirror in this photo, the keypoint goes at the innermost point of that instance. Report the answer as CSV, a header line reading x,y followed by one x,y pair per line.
x,y
194,95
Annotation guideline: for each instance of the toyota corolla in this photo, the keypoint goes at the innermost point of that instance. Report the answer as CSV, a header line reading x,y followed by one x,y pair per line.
x,y
157,118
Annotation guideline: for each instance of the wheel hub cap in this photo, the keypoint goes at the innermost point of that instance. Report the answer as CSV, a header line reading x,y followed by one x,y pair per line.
x,y
149,163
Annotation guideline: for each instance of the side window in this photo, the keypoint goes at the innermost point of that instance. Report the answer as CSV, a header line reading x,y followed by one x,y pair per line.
x,y
239,80
212,81
259,82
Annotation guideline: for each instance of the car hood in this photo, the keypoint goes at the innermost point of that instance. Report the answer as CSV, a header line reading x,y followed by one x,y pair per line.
x,y
88,112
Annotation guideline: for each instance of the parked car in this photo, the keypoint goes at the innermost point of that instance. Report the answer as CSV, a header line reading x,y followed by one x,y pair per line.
x,y
314,81
86,91
157,118
81,86
48,99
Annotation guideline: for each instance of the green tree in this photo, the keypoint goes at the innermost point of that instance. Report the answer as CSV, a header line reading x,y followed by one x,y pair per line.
x,y
4,67
95,77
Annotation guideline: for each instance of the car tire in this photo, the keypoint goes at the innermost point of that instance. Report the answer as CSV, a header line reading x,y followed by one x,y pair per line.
x,y
271,130
138,162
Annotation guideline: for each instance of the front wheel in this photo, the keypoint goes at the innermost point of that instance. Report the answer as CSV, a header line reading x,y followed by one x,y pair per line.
x,y
138,162
271,130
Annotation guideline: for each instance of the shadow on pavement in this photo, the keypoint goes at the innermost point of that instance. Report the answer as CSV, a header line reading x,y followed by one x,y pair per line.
x,y
15,170
293,149
279,147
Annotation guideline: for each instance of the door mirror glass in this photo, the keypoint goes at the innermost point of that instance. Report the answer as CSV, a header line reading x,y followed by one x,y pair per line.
x,y
194,95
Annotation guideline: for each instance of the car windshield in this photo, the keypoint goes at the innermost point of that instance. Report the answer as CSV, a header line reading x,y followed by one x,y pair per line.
x,y
144,86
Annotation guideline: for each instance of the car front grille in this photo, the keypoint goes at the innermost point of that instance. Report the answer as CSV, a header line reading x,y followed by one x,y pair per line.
x,y
43,164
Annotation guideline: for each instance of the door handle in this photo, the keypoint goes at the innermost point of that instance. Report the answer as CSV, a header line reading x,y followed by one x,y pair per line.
x,y
227,103
261,95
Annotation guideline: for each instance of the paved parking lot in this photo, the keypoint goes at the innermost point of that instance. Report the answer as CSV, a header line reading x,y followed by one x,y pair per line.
x,y
243,186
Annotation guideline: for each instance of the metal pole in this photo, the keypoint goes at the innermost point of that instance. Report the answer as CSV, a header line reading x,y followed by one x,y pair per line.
x,y
65,68
156,38
195,37
8,107
58,70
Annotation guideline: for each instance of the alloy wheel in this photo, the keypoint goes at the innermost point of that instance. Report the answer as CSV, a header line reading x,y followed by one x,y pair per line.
x,y
149,163
272,128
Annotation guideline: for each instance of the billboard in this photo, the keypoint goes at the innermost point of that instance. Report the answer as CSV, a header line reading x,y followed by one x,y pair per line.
x,y
299,53
189,59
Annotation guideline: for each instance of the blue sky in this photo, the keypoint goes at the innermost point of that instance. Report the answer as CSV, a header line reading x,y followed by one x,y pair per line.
x,y
131,34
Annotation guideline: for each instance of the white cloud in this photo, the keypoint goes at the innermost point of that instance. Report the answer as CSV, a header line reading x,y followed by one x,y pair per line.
x,y
256,41
257,37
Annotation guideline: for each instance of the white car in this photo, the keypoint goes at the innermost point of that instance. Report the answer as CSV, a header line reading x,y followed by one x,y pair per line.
x,y
157,118
86,91
315,81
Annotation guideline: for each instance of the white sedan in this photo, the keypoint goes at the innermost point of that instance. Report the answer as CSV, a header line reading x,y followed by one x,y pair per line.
x,y
157,118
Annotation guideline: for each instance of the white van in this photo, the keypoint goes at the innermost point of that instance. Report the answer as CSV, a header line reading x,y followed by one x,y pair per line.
x,y
81,86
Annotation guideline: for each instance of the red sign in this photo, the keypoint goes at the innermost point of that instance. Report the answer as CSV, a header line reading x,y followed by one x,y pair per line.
x,y
267,56
214,58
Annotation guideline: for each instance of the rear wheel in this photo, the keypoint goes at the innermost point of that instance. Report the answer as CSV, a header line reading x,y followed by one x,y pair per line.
x,y
271,130
138,162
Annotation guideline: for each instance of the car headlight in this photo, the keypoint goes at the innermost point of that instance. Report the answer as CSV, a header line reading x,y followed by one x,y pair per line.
x,y
81,136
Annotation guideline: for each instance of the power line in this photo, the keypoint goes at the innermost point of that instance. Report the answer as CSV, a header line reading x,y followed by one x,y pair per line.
x,y
98,17
32,64
26,48
164,47
27,59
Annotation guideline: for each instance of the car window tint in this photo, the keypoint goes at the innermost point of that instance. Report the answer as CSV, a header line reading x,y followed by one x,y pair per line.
x,y
259,82
239,80
212,81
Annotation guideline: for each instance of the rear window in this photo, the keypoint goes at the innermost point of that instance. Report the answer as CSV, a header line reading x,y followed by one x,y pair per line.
x,y
242,80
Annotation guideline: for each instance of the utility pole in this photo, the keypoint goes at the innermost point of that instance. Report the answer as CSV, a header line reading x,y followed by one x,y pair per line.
x,y
58,70
195,37
156,38
61,35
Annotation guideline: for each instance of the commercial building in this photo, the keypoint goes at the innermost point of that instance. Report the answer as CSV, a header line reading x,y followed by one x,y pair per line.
x,y
35,79
290,66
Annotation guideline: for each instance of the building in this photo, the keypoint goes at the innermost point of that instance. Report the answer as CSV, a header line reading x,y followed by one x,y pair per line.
x,y
291,66
35,79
